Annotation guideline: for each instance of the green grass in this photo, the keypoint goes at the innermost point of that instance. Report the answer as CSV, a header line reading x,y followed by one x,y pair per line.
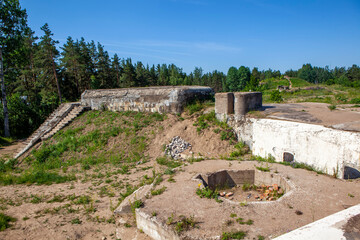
x,y
5,221
233,235
5,141
75,146
298,82
168,162
208,193
208,120
158,191
198,105
185,224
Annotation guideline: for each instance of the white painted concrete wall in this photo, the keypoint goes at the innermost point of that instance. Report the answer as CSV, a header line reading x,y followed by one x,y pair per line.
x,y
326,149
328,228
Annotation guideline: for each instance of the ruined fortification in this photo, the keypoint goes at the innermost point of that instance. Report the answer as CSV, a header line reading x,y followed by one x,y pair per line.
x,y
164,99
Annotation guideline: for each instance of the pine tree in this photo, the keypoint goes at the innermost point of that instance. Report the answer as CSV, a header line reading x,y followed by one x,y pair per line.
x,y
12,26
46,57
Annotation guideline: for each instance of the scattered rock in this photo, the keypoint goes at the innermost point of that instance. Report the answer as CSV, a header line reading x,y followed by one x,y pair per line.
x,y
229,194
298,212
222,194
176,146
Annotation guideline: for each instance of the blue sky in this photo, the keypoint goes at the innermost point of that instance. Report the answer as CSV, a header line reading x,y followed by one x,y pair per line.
x,y
214,35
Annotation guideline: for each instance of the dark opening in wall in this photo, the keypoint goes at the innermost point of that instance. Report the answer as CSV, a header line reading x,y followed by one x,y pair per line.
x,y
288,157
351,173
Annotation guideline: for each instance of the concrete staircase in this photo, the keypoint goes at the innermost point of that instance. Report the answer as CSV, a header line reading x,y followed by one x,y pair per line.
x,y
62,116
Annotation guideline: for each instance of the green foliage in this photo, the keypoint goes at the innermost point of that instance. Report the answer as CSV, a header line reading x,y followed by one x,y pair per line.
x,y
5,221
332,107
76,221
185,224
208,193
158,191
275,96
168,162
241,149
233,235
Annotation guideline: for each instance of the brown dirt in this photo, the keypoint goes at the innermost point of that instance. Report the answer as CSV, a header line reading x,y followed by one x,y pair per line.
x,y
316,196
42,221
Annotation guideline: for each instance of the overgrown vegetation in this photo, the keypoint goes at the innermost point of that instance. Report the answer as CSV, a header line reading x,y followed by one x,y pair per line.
x,y
79,146
233,235
208,193
5,221
208,120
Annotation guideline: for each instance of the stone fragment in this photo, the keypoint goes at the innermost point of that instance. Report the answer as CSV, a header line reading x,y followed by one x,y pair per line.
x,y
229,194
222,194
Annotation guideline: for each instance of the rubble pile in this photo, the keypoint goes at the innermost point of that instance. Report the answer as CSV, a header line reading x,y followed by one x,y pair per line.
x,y
269,193
176,147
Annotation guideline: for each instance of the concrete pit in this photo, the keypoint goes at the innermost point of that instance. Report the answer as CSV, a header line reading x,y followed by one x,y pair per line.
x,y
246,185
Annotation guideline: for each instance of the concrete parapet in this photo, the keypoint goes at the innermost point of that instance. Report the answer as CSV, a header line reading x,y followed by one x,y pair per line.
x,y
224,104
246,101
150,99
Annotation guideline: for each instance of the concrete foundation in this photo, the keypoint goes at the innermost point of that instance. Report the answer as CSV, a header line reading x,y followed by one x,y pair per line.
x,y
164,99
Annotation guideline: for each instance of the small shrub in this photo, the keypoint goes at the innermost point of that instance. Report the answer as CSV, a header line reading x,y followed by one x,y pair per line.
x,y
275,96
185,224
332,107
208,193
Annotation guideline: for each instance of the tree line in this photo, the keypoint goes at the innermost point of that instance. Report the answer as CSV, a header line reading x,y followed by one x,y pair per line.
x,y
37,74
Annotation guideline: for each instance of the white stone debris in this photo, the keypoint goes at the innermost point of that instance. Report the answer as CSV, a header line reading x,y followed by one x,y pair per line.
x,y
176,146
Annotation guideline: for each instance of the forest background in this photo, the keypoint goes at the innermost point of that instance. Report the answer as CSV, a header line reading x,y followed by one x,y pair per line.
x,y
37,74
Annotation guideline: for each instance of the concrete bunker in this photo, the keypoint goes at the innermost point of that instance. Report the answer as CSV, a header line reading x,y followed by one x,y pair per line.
x,y
163,99
247,185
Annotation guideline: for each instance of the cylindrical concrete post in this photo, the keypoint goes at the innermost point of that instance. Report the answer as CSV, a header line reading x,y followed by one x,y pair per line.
x,y
240,103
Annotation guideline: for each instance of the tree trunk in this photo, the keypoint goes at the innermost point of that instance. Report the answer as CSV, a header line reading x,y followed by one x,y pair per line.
x,y
4,101
55,76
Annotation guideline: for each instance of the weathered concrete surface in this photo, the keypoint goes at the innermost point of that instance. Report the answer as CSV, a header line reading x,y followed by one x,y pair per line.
x,y
153,228
139,194
224,104
238,103
246,101
150,99
333,227
326,149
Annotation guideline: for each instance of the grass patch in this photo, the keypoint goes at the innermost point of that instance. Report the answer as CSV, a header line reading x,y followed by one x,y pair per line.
x,y
5,221
233,235
168,162
208,193
158,191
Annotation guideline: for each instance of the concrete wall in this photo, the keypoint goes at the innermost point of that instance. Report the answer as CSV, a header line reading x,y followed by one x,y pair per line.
x,y
151,99
238,103
326,149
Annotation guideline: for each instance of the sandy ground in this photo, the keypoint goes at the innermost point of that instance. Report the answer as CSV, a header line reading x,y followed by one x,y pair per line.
x,y
316,196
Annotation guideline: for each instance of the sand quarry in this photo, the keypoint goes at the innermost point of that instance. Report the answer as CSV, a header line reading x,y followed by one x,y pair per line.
x,y
312,197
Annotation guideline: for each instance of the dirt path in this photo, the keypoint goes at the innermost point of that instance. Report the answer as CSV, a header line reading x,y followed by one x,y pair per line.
x,y
11,150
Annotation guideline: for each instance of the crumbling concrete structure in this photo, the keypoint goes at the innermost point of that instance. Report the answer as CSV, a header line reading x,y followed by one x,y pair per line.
x,y
238,103
164,99
334,152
